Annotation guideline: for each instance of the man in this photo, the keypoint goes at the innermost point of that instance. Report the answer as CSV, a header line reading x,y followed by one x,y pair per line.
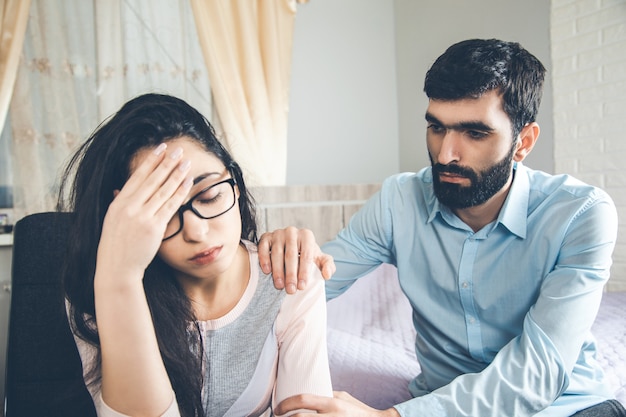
x,y
504,266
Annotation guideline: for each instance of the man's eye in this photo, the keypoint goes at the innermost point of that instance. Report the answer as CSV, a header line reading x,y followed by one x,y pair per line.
x,y
435,128
476,134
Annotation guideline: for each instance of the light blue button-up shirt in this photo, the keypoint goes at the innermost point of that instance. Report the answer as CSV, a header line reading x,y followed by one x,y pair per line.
x,y
503,315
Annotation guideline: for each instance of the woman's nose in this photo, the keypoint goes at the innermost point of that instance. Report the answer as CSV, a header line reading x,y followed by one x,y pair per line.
x,y
194,228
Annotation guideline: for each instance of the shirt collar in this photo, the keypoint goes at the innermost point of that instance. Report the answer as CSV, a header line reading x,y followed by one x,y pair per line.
x,y
514,211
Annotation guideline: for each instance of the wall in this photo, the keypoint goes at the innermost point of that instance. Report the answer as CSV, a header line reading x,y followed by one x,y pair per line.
x,y
424,29
589,56
325,209
343,110
356,101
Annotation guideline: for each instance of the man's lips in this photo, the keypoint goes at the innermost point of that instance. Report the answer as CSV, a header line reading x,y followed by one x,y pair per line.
x,y
206,256
452,178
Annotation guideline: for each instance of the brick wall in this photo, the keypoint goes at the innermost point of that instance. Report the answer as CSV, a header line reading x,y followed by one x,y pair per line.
x,y
588,40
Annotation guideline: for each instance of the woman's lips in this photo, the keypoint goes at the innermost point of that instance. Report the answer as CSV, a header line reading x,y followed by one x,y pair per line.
x,y
206,256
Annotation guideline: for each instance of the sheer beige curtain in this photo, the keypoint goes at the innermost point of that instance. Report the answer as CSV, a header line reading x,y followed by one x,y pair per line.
x,y
247,49
149,46
81,61
53,107
13,18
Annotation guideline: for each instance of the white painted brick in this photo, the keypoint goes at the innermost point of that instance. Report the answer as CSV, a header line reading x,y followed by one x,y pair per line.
x,y
563,11
592,179
564,129
602,92
614,72
578,43
614,51
599,163
600,126
581,79
615,144
579,148
565,100
608,3
564,66
566,166
618,195
591,58
616,180
586,7
616,108
616,32
600,19
585,111
562,3
562,31
589,73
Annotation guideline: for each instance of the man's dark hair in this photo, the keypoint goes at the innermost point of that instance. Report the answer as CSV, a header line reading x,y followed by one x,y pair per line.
x,y
471,68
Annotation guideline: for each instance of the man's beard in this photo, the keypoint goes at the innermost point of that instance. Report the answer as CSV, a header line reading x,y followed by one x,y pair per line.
x,y
483,185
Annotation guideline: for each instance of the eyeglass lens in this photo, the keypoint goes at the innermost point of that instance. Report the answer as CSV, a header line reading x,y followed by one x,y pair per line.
x,y
207,204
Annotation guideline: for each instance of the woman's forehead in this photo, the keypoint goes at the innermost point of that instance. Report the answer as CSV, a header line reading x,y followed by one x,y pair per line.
x,y
202,161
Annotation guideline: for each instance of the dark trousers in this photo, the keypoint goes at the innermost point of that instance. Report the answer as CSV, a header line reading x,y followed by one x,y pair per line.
x,y
610,408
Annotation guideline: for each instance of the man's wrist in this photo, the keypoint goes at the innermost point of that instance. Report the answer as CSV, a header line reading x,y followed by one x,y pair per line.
x,y
391,412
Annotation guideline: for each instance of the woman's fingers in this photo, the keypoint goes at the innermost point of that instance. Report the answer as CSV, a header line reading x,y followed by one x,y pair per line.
x,y
167,198
141,171
157,173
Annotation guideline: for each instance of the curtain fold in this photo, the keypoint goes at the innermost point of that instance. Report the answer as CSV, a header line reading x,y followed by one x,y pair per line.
x,y
81,60
247,49
14,19
148,46
53,108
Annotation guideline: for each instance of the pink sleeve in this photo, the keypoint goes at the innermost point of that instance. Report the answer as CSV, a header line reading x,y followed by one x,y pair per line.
x,y
103,410
302,350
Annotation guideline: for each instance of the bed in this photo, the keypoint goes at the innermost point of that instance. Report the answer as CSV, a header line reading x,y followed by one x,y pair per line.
x,y
371,336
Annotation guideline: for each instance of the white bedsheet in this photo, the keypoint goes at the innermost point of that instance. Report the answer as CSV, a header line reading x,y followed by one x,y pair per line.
x,y
371,340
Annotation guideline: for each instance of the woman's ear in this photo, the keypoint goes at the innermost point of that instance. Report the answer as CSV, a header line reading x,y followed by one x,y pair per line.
x,y
526,142
115,193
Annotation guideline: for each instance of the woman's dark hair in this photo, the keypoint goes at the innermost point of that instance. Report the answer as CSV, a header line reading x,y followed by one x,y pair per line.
x,y
100,166
470,68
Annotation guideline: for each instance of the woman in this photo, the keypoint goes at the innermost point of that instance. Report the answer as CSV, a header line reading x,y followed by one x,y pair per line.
x,y
170,310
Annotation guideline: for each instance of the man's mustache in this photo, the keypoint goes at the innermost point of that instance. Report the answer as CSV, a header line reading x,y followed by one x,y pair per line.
x,y
453,169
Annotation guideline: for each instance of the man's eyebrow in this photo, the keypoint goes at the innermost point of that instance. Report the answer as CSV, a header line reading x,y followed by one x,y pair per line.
x,y
467,125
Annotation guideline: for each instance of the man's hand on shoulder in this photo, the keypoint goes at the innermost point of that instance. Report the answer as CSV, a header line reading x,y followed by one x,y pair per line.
x,y
289,254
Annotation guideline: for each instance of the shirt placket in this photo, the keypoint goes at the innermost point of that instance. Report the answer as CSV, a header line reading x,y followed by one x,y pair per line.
x,y
466,293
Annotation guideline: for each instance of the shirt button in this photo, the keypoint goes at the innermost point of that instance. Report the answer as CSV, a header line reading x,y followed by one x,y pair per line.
x,y
465,284
471,320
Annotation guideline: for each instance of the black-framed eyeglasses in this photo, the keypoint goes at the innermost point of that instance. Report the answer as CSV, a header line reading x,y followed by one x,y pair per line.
x,y
211,202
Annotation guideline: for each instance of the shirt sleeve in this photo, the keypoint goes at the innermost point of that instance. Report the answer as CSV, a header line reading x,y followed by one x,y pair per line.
x,y
535,368
364,244
302,350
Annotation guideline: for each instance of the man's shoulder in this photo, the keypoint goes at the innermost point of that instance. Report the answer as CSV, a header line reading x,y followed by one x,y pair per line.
x,y
411,180
563,187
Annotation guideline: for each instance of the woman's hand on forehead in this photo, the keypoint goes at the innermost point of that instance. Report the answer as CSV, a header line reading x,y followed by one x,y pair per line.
x,y
136,219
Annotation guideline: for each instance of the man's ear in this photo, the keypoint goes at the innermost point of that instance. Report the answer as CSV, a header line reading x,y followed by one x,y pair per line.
x,y
526,142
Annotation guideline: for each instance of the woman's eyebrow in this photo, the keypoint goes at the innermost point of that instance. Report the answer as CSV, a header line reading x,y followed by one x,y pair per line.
x,y
204,176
